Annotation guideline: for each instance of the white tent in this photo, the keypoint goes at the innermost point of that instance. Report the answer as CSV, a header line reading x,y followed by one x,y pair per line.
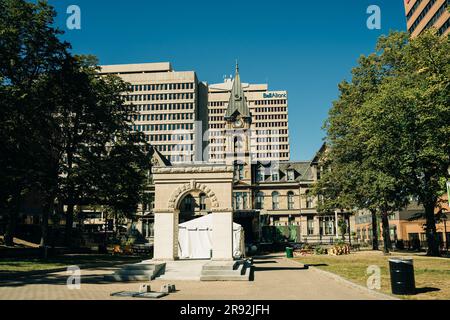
x,y
195,239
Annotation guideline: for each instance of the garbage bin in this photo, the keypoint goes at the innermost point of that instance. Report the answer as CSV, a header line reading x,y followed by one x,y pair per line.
x,y
289,252
402,276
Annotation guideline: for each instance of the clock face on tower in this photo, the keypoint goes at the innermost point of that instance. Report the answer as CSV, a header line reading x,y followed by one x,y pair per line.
x,y
238,123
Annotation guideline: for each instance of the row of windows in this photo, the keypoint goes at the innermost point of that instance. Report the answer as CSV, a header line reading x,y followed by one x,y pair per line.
x,y
413,9
271,139
217,140
162,86
181,158
259,200
217,111
270,102
170,137
163,107
272,155
271,109
218,118
216,103
444,27
161,117
274,175
271,116
216,149
272,147
256,102
217,125
438,14
271,132
271,124
422,15
175,147
161,96
163,127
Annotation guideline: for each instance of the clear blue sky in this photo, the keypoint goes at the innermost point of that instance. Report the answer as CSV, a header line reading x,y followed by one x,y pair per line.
x,y
305,47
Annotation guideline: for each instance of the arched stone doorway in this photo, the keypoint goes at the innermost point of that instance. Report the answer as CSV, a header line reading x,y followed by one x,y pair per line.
x,y
212,184
193,205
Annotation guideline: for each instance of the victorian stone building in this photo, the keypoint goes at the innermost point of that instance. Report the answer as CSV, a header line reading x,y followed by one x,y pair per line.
x,y
256,193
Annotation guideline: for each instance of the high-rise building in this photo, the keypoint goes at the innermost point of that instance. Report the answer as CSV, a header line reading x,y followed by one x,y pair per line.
x,y
168,107
423,14
180,115
268,111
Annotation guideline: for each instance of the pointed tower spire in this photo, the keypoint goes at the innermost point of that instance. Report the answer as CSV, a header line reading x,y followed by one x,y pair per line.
x,y
237,103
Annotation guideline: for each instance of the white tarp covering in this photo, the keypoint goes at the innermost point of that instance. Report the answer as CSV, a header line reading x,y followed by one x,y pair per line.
x,y
195,239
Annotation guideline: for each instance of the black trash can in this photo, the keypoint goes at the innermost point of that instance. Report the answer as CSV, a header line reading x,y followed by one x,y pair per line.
x,y
402,276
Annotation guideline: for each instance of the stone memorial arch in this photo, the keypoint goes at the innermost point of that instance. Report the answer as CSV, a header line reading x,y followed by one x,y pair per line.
x,y
172,185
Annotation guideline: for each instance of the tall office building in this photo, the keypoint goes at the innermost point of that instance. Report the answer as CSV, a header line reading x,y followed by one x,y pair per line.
x,y
180,115
168,107
269,132
423,14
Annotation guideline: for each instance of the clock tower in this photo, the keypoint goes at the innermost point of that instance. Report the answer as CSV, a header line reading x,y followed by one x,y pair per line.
x,y
237,132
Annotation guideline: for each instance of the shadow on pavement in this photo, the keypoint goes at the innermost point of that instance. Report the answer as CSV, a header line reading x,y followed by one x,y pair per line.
x,y
264,262
426,289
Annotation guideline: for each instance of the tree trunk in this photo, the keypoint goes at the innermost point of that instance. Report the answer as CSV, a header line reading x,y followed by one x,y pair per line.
x,y
433,245
374,231
69,223
46,209
10,228
386,235
13,213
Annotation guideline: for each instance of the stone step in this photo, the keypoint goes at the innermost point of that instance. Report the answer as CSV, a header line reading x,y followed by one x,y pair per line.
x,y
127,278
242,273
236,272
218,265
139,266
136,272
179,277
131,272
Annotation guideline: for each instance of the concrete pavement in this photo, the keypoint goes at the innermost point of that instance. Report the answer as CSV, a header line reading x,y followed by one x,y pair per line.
x,y
275,278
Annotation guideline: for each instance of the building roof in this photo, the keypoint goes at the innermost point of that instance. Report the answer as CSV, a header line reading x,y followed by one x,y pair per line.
x,y
302,171
137,68
237,103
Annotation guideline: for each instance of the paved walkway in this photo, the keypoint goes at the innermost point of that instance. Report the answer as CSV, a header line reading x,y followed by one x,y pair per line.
x,y
274,278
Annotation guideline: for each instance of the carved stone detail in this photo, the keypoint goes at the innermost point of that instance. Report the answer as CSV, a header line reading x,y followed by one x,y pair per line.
x,y
192,185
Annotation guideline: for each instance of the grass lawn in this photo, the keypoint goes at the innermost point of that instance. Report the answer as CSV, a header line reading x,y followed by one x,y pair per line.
x,y
432,275
10,265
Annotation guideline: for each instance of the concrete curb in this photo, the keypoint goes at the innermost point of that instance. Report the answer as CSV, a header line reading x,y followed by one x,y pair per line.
x,y
336,277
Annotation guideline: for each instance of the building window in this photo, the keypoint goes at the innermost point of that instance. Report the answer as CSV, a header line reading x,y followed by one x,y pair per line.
x,y
238,171
240,201
260,173
290,175
327,225
290,200
188,204
275,176
310,226
309,200
259,201
202,201
275,200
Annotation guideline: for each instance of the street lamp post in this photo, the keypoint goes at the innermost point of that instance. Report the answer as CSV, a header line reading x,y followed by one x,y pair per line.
x,y
444,218
336,223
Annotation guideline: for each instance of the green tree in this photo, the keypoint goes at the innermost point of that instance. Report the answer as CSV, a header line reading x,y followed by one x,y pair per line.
x,y
29,50
389,132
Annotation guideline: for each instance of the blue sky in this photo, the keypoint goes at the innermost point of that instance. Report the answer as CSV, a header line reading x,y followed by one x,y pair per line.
x,y
304,47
